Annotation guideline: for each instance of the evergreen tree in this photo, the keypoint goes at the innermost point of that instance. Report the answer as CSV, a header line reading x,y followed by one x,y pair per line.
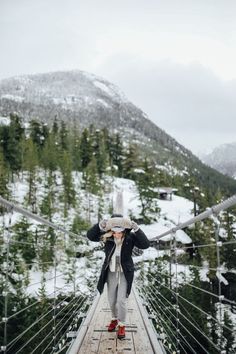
x,y
45,247
79,226
4,192
47,207
45,133
64,138
228,251
36,133
131,162
117,154
25,240
148,193
12,148
100,153
50,153
228,334
75,148
30,164
91,178
85,149
163,179
55,128
68,196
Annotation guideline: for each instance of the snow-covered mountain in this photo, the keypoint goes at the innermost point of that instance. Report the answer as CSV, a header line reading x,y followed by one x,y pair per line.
x,y
223,159
84,98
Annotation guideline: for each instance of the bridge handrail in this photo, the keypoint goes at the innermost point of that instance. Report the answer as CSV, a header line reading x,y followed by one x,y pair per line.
x,y
76,344
214,210
11,206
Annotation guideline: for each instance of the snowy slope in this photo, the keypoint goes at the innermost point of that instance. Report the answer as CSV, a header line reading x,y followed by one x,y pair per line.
x,y
172,212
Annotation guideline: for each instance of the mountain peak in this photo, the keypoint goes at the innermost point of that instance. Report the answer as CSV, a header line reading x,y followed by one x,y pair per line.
x,y
83,97
65,87
223,159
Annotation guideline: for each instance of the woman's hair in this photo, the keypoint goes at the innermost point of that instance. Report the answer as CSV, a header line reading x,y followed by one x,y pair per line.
x,y
109,234
106,236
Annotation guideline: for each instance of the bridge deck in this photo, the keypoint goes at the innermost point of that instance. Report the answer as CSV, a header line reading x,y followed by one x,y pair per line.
x,y
93,336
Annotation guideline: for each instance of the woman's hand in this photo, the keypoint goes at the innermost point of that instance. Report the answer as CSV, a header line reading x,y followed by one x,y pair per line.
x,y
103,224
135,226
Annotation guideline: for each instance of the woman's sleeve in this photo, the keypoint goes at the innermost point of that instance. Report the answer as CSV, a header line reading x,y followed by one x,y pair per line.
x,y
140,239
94,234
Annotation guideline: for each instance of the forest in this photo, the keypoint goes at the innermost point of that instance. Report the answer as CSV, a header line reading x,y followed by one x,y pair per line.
x,y
45,157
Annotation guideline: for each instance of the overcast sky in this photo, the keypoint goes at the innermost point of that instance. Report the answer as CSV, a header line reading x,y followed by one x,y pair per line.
x,y
175,59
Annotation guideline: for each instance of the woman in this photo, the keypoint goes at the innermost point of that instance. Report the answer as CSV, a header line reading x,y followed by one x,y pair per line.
x,y
118,267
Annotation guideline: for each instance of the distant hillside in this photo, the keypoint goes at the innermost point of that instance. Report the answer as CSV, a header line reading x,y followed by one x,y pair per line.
x,y
76,96
223,159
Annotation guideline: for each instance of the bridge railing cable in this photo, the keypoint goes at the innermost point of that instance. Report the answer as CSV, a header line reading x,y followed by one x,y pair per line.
x,y
65,307
176,313
13,207
165,309
214,210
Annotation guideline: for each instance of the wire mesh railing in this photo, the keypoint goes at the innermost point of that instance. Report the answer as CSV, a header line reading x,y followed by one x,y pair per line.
x,y
44,293
185,299
189,314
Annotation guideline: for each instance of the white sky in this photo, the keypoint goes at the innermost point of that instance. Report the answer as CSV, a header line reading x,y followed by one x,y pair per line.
x,y
175,59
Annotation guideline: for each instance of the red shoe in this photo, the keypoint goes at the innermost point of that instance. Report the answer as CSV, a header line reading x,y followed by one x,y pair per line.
x,y
121,332
112,325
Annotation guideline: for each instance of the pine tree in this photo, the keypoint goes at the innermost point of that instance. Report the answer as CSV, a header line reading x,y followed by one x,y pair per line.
x,y
68,196
50,153
4,192
47,207
229,346
25,239
99,152
91,178
131,162
45,247
117,154
36,133
55,128
74,138
12,148
30,164
228,251
45,133
85,149
64,139
148,193
79,226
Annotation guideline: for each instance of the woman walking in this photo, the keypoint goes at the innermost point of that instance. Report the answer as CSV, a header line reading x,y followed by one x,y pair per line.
x,y
118,267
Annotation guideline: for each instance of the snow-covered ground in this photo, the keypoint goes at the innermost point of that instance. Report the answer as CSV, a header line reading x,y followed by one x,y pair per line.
x,y
172,212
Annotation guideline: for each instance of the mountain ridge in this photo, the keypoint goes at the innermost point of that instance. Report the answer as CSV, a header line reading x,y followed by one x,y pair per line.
x,y
84,98
71,95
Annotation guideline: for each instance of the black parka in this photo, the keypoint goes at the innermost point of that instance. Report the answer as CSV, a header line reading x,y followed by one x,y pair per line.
x,y
131,239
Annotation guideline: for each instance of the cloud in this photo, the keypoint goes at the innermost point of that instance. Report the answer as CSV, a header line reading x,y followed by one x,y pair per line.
x,y
168,57
188,101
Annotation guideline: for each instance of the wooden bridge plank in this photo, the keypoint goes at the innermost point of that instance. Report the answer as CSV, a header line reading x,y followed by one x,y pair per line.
x,y
99,340
92,339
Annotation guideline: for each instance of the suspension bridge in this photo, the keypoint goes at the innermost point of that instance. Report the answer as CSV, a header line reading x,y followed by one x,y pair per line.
x,y
160,317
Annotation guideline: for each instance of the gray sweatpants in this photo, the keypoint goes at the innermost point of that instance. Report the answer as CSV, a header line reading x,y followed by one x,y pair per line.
x,y
117,289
